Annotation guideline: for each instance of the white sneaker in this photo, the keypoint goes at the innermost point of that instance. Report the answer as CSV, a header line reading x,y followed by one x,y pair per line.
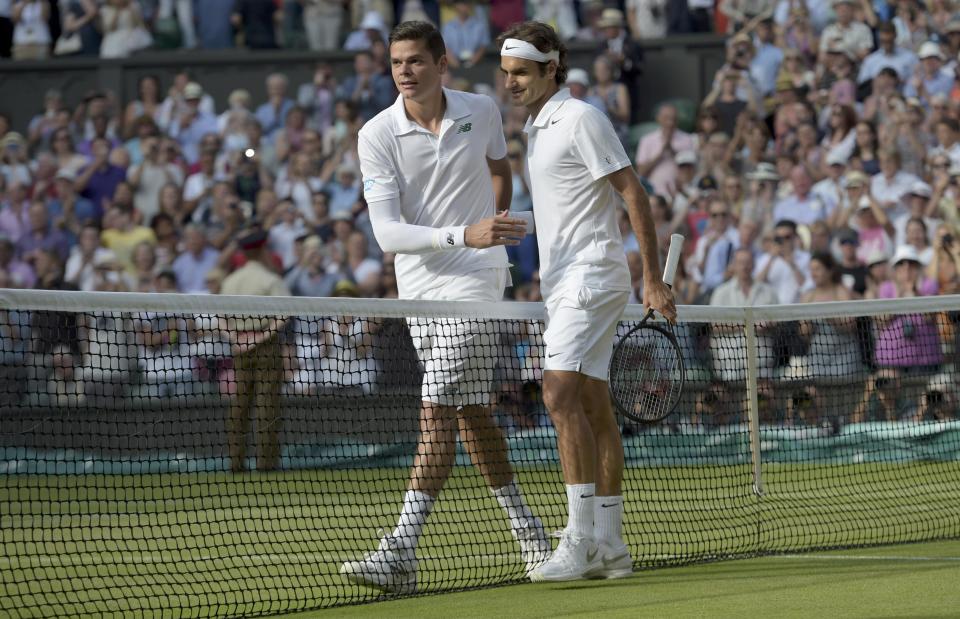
x,y
535,546
390,568
615,561
573,559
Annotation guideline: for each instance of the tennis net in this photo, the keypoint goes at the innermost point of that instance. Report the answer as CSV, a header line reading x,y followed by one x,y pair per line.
x,y
158,457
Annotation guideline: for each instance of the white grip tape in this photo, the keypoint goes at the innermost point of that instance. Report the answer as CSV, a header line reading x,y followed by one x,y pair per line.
x,y
673,258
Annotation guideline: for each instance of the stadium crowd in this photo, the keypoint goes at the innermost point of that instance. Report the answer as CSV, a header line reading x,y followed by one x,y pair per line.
x,y
824,164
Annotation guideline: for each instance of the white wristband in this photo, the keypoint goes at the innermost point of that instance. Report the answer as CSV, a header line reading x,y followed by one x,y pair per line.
x,y
449,238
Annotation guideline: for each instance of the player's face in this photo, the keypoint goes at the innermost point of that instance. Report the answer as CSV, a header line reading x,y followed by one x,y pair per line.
x,y
522,78
415,72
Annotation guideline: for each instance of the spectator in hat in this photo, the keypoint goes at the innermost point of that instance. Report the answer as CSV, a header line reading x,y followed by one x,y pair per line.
x,y
625,53
918,205
657,150
873,227
369,91
685,186
888,54
257,347
256,20
930,79
760,195
714,249
740,53
830,189
344,189
372,29
579,84
193,123
846,32
802,206
466,36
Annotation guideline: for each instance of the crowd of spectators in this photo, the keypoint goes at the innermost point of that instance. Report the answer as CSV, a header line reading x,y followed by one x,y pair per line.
x,y
824,164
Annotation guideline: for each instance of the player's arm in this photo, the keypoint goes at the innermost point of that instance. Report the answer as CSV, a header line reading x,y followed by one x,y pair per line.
x,y
656,294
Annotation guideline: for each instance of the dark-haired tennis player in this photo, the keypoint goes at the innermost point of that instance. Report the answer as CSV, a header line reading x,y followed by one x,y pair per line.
x,y
438,185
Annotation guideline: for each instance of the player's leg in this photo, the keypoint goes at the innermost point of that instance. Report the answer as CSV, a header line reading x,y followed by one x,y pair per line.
x,y
270,382
487,446
238,423
608,504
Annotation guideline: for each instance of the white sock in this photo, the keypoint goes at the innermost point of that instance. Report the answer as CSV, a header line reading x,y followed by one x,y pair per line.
x,y
511,500
608,519
580,501
416,509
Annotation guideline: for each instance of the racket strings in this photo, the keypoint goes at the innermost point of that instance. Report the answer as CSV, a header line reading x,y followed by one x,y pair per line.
x,y
646,374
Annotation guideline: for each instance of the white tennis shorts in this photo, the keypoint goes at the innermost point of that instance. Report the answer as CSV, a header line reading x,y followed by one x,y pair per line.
x,y
580,324
459,355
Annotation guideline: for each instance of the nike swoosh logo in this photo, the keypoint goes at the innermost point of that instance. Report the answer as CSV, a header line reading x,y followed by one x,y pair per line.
x,y
586,496
592,555
556,121
608,562
610,505
514,47
552,355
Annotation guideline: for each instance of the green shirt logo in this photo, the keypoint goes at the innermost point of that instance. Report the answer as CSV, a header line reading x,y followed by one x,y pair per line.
x,y
465,127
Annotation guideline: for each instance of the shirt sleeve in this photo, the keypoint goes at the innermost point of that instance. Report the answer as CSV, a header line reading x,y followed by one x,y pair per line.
x,y
597,144
497,144
377,170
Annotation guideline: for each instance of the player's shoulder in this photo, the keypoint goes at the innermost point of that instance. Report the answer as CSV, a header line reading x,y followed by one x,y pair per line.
x,y
583,112
471,102
383,124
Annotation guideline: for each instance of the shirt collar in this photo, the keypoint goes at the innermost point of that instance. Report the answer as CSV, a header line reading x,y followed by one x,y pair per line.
x,y
547,111
456,110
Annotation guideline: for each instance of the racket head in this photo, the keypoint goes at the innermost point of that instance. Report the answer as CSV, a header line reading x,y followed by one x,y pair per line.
x,y
647,373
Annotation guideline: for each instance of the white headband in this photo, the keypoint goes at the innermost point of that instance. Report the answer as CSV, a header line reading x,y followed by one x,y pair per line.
x,y
521,49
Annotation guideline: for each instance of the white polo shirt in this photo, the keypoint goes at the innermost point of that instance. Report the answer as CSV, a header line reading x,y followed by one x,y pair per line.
x,y
572,147
440,180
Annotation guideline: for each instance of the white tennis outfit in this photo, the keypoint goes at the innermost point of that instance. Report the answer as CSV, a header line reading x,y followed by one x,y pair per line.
x,y
585,281
438,185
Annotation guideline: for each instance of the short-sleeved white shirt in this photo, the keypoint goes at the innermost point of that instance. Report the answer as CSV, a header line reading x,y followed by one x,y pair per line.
x,y
440,180
572,147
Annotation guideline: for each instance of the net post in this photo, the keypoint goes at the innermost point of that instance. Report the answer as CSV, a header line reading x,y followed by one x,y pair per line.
x,y
753,404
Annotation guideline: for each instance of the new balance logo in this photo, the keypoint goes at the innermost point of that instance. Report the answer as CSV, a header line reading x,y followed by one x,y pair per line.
x,y
465,128
450,240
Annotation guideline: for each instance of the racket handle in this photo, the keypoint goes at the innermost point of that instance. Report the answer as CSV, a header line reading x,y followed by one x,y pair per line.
x,y
673,258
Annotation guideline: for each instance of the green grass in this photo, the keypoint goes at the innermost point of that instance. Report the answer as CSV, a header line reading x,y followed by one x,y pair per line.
x,y
212,544
914,580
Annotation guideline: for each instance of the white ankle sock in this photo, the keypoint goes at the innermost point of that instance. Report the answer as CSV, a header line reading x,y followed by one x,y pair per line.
x,y
511,500
416,509
580,499
608,519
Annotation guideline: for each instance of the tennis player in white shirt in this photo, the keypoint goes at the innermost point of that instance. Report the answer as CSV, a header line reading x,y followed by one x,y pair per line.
x,y
576,164
438,185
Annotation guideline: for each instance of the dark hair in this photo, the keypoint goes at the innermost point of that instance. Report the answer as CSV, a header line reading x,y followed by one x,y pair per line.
x,y
786,223
420,31
826,259
886,26
545,39
950,122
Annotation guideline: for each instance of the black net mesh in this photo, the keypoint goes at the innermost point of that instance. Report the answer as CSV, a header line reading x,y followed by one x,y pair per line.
x,y
170,462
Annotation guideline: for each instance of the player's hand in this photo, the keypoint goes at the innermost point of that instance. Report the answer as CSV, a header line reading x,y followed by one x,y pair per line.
x,y
500,229
657,295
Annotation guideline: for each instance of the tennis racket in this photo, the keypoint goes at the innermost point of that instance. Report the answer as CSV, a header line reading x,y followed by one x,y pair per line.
x,y
646,369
